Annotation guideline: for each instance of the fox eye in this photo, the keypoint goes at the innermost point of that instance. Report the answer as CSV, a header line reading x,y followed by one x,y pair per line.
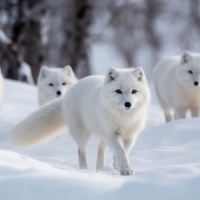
x,y
51,84
118,91
134,91
190,72
63,83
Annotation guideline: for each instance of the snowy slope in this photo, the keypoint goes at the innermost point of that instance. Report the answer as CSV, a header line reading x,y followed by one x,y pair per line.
x,y
165,159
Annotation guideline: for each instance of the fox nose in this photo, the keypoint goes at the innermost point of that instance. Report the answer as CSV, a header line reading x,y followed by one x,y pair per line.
x,y
127,104
196,83
59,93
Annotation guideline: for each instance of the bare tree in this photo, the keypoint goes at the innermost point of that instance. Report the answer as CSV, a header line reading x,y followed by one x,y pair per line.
x,y
27,32
11,61
133,28
69,42
149,28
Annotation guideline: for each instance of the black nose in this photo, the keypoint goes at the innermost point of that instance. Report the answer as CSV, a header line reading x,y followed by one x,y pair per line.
x,y
196,83
127,104
58,93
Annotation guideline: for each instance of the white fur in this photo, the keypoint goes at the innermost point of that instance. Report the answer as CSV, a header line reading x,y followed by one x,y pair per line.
x,y
52,80
92,106
45,123
1,88
174,80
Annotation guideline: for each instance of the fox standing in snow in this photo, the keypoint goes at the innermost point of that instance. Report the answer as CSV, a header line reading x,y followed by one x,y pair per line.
x,y
54,82
114,107
1,88
177,84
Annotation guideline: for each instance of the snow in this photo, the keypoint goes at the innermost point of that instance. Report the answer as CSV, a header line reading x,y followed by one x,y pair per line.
x,y
165,159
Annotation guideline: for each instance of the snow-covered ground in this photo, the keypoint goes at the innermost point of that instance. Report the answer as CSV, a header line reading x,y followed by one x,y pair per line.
x,y
165,158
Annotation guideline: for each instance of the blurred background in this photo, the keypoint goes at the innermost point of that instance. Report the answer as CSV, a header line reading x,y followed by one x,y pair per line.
x,y
92,35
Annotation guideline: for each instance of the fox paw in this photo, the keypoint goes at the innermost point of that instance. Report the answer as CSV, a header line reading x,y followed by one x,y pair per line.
x,y
126,171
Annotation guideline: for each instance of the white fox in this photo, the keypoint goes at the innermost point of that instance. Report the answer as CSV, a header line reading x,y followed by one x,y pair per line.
x,y
177,84
54,82
114,107
1,88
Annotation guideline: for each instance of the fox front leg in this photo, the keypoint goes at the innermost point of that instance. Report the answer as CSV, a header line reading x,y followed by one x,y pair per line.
x,y
121,156
128,144
195,112
180,113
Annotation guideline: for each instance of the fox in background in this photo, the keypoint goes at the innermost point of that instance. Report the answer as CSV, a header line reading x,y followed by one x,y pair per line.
x,y
113,106
177,84
54,82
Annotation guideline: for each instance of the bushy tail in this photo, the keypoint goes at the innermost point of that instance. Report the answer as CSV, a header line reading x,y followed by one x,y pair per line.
x,y
45,123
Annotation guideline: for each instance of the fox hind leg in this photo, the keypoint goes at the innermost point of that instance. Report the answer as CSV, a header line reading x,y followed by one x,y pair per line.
x,y
168,112
101,157
169,117
83,161
195,112
81,136
180,112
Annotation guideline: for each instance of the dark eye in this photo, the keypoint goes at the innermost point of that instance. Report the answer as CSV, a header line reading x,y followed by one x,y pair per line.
x,y
63,83
51,84
134,91
190,72
118,91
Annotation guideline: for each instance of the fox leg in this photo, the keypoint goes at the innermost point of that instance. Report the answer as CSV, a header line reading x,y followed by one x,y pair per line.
x,y
121,156
101,157
169,117
180,112
82,155
195,111
81,136
83,162
166,108
128,144
115,163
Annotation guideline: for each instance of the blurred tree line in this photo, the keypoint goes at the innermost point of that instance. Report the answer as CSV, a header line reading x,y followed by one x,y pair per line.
x,y
61,32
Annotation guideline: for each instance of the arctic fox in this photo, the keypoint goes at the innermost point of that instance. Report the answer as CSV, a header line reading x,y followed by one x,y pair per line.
x,y
54,82
114,107
1,88
177,84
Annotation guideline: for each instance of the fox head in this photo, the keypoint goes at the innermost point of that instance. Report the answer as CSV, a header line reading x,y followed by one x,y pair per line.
x,y
188,72
126,89
54,82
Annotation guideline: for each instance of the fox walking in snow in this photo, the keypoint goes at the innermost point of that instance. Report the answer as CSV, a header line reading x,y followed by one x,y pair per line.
x,y
114,107
1,88
54,82
177,84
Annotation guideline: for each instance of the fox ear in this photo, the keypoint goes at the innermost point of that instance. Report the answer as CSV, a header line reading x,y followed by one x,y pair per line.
x,y
139,74
186,57
112,74
68,70
44,71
